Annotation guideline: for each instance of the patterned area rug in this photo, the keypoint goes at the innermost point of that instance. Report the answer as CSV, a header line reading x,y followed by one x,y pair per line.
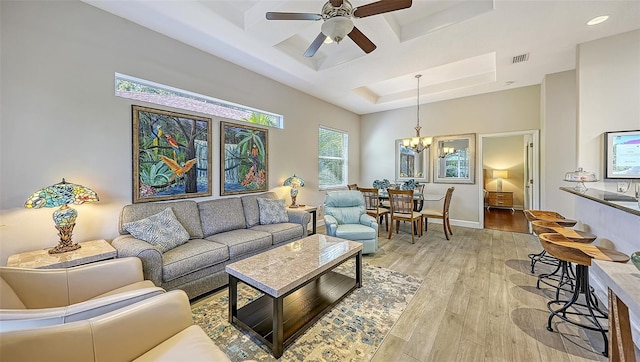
x,y
352,331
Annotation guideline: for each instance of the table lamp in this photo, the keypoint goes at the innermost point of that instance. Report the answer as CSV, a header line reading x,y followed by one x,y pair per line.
x,y
295,182
500,175
62,194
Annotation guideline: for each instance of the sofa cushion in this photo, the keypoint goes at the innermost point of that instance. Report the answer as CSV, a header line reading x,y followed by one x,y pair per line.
x,y
272,211
185,211
282,232
221,215
194,255
243,241
161,230
251,208
356,232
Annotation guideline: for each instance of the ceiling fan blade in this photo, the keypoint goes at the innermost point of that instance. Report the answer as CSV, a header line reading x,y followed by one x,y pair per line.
x,y
292,16
380,7
336,3
313,48
362,41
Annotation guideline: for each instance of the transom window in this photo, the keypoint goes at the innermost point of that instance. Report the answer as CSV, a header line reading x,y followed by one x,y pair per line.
x,y
130,87
333,157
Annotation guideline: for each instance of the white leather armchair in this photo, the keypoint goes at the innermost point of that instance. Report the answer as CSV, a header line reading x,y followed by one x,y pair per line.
x,y
39,297
156,329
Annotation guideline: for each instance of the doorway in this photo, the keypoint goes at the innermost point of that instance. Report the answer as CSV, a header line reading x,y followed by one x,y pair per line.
x,y
509,164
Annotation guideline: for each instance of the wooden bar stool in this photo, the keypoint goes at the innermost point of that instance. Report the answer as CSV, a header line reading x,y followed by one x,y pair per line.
x,y
580,254
566,275
551,216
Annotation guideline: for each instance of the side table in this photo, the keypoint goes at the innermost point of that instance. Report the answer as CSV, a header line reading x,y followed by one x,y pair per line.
x,y
500,199
90,251
314,211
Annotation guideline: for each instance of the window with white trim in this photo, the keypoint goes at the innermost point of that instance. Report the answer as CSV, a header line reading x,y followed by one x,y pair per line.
x,y
333,157
130,87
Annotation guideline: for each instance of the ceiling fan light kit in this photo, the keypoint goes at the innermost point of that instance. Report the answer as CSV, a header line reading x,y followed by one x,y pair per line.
x,y
338,21
337,28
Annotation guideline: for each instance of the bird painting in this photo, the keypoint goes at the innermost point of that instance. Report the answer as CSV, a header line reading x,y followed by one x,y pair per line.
x,y
178,169
174,145
156,139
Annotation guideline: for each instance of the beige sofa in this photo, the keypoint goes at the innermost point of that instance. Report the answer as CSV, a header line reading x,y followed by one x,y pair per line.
x,y
156,329
37,297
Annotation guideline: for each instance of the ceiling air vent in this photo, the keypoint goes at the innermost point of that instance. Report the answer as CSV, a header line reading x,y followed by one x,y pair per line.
x,y
520,58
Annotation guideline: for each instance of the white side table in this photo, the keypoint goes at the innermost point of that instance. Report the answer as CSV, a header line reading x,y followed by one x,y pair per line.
x,y
89,252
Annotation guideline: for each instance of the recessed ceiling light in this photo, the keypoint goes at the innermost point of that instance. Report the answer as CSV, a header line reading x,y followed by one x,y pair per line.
x,y
598,19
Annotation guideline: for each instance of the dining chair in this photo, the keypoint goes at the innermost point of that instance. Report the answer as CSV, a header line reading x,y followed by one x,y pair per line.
x,y
402,210
372,206
352,186
437,214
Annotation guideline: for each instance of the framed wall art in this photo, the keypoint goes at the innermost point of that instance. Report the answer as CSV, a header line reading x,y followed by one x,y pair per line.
x,y
622,154
171,155
244,159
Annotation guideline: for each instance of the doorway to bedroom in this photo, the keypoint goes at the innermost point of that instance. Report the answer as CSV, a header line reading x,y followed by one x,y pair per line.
x,y
509,179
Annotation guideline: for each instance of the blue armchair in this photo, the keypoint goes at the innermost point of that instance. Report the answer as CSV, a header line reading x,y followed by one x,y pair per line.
x,y
345,216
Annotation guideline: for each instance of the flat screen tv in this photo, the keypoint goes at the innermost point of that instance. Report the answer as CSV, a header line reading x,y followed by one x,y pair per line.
x,y
622,154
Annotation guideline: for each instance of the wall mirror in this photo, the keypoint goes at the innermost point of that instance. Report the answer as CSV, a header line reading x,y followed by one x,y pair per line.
x,y
454,159
411,165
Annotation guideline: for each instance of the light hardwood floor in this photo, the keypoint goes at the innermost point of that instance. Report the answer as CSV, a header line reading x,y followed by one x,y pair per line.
x,y
478,302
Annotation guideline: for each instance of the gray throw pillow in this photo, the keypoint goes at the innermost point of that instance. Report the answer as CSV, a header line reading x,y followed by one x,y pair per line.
x,y
161,230
272,211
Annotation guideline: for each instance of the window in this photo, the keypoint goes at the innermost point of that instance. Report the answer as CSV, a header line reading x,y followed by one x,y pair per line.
x,y
156,93
333,151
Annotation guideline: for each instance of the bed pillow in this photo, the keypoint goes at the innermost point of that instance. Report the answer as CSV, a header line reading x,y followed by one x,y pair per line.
x,y
272,211
161,230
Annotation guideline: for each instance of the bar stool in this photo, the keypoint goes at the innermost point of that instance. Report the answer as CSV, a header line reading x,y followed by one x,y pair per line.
x,y
545,215
567,276
581,255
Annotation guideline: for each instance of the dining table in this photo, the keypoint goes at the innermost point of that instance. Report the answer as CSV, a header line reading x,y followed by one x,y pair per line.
x,y
418,198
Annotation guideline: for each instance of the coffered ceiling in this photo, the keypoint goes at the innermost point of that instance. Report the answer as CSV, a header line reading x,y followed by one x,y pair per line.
x,y
461,48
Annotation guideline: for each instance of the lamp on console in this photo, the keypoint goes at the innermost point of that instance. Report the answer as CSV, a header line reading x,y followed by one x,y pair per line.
x,y
500,175
295,182
62,194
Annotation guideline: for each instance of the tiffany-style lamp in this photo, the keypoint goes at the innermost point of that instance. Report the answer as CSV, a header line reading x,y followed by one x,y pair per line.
x,y
295,182
62,194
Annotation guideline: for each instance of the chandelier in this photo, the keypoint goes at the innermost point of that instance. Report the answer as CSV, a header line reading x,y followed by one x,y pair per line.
x,y
416,143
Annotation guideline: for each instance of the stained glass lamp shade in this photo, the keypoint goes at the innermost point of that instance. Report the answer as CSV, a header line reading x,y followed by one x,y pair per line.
x,y
62,194
295,182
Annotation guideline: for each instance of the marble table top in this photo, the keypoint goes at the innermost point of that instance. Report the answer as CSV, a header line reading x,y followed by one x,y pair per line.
x,y
284,268
89,252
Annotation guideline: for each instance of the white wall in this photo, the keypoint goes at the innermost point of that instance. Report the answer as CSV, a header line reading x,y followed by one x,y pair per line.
x,y
608,73
60,118
507,111
558,140
609,97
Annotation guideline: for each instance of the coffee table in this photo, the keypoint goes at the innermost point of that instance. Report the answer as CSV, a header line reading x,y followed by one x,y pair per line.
x,y
299,285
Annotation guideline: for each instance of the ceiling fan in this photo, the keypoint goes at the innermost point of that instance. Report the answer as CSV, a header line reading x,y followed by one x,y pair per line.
x,y
338,23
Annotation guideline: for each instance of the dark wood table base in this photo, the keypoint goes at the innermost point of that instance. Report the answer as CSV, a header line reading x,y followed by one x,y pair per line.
x,y
277,322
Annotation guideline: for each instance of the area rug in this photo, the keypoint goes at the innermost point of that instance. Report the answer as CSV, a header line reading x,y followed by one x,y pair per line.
x,y
352,331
